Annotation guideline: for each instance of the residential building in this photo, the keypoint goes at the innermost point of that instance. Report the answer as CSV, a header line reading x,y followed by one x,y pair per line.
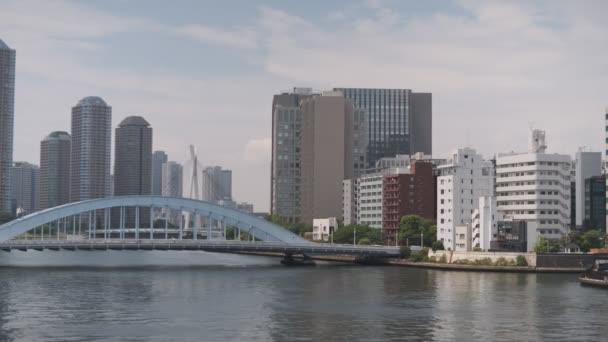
x,y
318,141
7,114
25,184
510,236
91,149
172,186
369,200
461,182
133,166
159,158
324,228
217,184
586,165
55,152
535,187
462,238
411,193
595,204
398,121
484,223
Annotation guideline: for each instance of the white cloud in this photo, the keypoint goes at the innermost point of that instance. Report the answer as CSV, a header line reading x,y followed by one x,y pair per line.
x,y
258,150
242,39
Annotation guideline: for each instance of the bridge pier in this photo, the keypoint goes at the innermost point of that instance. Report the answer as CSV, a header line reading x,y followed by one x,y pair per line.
x,y
291,261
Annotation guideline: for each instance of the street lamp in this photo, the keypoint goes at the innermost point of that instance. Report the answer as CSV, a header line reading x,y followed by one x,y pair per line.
x,y
355,236
421,240
397,239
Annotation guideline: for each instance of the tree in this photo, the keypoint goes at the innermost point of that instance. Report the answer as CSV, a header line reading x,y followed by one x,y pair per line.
x,y
405,252
591,239
6,217
364,241
346,234
547,246
437,246
296,228
412,226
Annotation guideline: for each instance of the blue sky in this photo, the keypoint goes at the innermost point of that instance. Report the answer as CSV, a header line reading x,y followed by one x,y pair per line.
x,y
204,72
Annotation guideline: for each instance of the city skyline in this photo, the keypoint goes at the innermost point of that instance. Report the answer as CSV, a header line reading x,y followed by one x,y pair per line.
x,y
504,66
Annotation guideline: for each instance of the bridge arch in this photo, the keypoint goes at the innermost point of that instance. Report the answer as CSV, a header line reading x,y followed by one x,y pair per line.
x,y
260,228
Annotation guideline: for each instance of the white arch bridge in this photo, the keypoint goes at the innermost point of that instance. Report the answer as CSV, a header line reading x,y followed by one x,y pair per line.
x,y
128,223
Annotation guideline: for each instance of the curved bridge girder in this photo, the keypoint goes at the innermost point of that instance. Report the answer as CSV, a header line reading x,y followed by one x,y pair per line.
x,y
261,228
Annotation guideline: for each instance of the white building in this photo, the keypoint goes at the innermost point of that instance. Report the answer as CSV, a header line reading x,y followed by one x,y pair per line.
x,y
586,165
606,165
535,187
323,228
461,182
484,223
369,200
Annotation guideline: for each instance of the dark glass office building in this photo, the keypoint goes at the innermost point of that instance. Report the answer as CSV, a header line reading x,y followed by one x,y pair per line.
x,y
595,203
399,121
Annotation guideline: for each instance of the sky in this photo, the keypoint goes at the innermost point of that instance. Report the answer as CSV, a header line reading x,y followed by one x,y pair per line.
x,y
204,72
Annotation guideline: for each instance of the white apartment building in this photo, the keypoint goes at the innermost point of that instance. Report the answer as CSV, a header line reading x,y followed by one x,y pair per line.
x,y
369,200
323,228
461,182
484,223
535,187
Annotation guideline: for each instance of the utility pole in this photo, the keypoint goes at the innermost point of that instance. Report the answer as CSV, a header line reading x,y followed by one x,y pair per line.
x,y
355,236
421,240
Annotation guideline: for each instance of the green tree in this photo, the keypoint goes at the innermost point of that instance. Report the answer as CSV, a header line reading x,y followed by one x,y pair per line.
x,y
405,252
364,241
6,217
547,246
437,246
591,239
345,234
296,228
412,226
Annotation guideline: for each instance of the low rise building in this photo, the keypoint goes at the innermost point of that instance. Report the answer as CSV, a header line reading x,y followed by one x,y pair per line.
x,y
324,228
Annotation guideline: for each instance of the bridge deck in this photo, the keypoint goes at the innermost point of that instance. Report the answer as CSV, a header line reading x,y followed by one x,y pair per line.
x,y
202,245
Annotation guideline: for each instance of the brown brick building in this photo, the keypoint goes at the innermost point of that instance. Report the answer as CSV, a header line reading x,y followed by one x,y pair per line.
x,y
407,194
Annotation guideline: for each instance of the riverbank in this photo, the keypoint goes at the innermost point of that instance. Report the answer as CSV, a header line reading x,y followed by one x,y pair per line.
x,y
482,268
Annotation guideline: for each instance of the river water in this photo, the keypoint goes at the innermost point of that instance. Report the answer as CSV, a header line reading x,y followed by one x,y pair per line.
x,y
195,296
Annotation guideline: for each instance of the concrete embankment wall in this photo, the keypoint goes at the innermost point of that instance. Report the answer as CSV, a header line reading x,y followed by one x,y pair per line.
x,y
471,256
568,260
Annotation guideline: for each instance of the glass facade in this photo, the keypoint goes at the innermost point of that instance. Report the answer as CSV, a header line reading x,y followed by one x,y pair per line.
x,y
388,120
7,107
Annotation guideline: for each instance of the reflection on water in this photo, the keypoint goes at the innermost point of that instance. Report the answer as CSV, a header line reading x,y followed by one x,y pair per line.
x,y
257,300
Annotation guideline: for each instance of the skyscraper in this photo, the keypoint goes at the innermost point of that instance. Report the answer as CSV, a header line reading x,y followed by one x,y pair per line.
x,y
25,179
55,152
318,140
7,110
217,184
172,185
91,149
172,174
158,159
586,165
133,164
399,121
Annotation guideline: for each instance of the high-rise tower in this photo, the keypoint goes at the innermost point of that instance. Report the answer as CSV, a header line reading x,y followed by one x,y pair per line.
x,y
158,159
133,163
55,152
399,121
7,110
91,149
